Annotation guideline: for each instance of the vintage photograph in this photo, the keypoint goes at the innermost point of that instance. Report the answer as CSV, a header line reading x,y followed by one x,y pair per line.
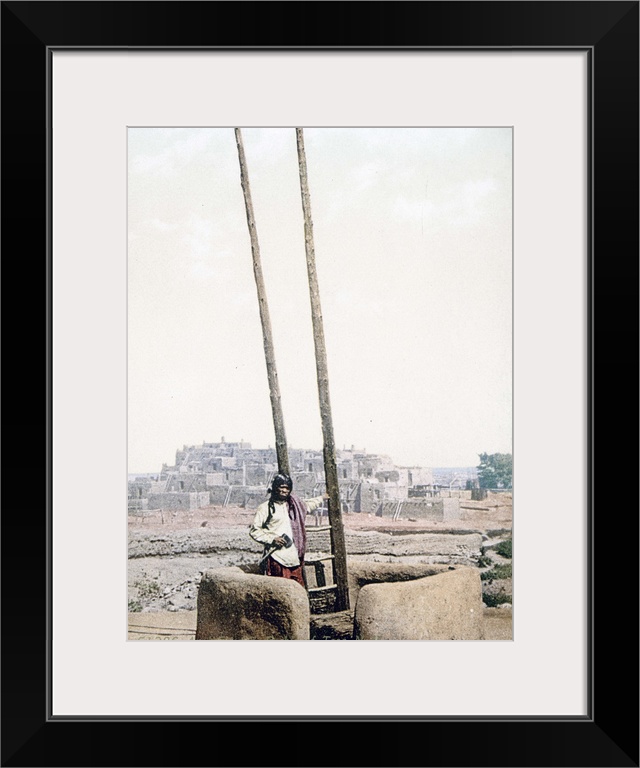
x,y
319,402
326,306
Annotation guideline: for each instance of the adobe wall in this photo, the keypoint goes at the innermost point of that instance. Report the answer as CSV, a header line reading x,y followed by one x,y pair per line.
x,y
234,605
137,506
442,606
387,603
435,510
187,501
260,474
367,499
249,497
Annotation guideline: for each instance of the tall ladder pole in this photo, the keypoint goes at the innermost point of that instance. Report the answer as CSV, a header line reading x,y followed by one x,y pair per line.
x,y
329,452
267,337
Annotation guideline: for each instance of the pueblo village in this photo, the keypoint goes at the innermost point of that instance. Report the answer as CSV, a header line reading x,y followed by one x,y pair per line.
x,y
405,528
235,542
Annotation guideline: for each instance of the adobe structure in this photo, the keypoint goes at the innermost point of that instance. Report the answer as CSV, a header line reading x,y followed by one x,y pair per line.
x,y
223,474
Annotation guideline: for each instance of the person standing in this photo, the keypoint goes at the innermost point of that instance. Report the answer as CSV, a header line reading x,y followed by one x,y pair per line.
x,y
280,523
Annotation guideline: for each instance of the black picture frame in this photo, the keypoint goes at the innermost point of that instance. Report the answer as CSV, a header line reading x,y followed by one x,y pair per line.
x,y
608,736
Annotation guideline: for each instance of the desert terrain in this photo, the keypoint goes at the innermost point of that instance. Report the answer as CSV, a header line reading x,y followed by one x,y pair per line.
x,y
169,551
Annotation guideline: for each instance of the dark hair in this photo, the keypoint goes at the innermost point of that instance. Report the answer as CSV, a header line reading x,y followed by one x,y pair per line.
x,y
281,479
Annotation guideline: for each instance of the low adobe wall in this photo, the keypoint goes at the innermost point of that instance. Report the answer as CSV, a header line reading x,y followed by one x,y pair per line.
x,y
388,602
444,606
177,500
362,573
438,510
234,605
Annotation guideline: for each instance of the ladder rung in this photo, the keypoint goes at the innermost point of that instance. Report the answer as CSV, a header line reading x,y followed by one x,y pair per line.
x,y
316,558
323,589
318,528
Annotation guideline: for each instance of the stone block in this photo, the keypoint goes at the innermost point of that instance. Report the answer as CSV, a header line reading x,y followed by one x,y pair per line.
x,y
233,605
362,573
445,606
450,509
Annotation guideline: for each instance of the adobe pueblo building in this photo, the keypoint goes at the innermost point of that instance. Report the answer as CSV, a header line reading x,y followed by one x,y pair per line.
x,y
235,474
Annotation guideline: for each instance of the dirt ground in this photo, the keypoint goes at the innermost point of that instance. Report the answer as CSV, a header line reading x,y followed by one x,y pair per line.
x,y
493,513
181,625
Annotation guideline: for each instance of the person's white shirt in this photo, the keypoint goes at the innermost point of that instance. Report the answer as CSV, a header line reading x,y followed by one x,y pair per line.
x,y
265,528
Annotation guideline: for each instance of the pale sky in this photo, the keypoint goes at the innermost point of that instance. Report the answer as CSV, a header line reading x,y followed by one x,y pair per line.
x,y
413,246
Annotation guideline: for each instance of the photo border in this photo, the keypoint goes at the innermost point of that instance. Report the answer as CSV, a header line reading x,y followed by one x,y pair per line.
x,y
608,736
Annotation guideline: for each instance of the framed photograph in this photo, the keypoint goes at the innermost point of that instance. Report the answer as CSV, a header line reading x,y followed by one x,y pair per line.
x,y
534,104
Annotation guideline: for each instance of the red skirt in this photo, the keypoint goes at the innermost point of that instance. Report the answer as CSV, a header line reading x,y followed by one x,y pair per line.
x,y
274,568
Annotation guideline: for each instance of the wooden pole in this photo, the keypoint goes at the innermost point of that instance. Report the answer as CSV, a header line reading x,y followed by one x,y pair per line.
x,y
329,451
267,337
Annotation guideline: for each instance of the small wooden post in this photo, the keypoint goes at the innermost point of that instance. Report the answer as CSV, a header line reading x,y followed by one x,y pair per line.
x,y
329,452
267,338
